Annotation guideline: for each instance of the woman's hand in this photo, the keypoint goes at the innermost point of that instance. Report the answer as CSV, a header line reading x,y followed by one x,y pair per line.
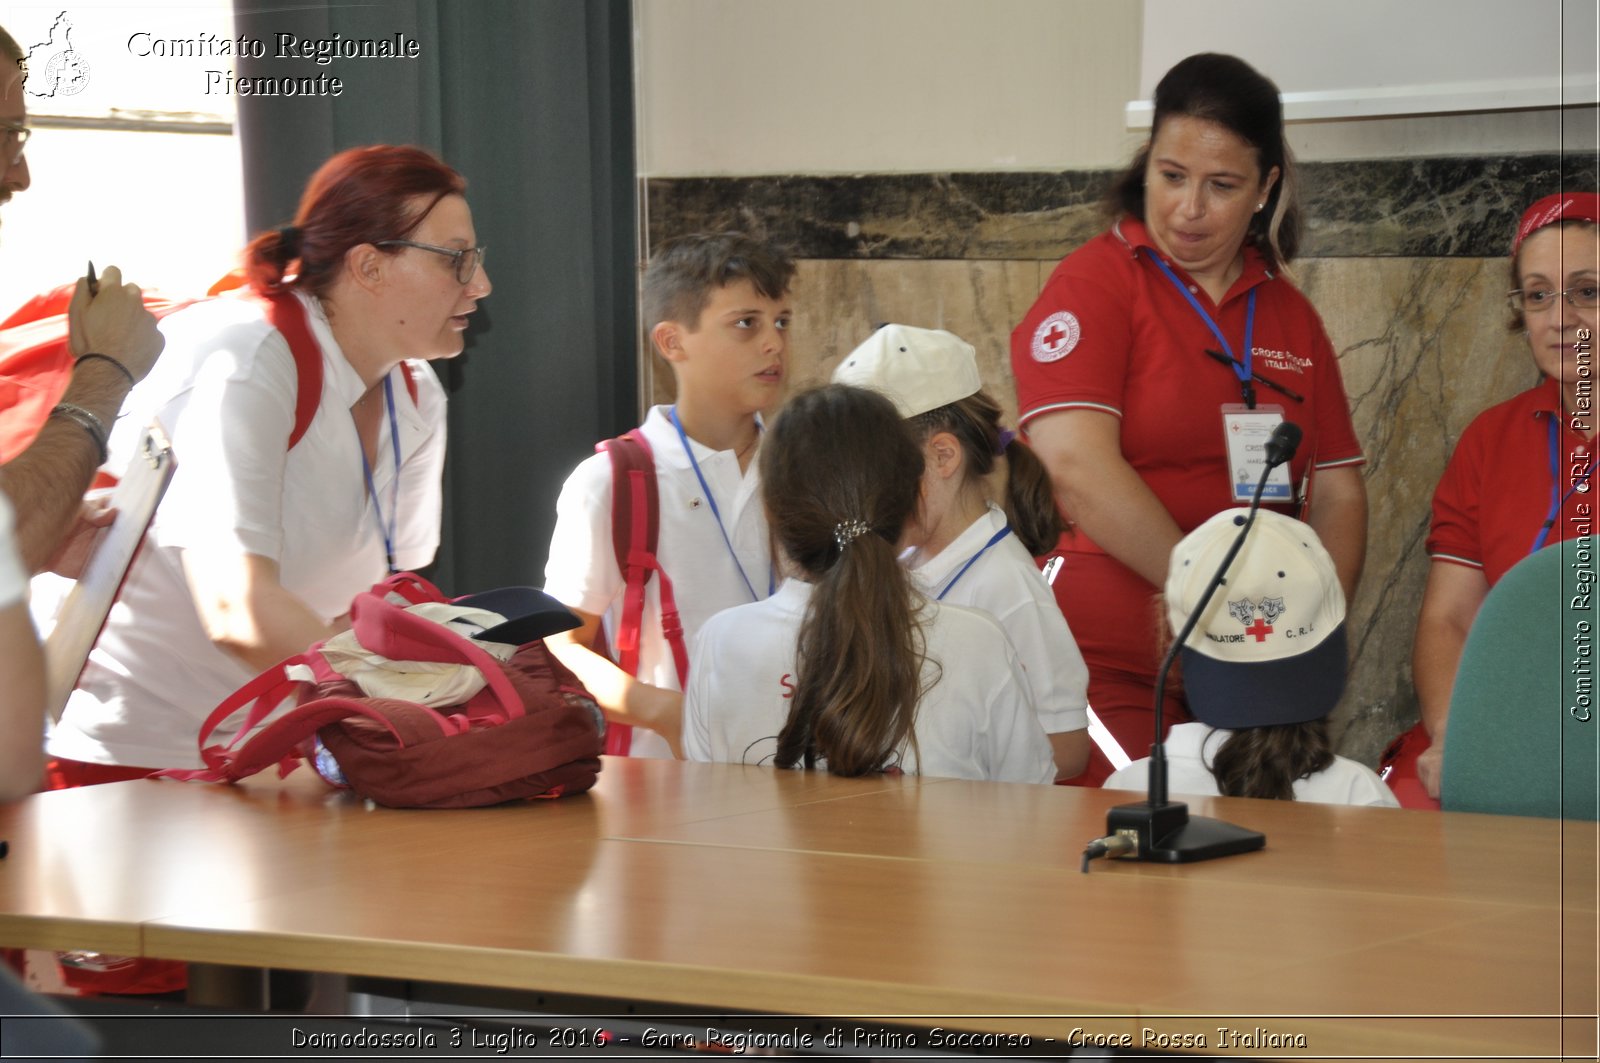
x,y
1450,604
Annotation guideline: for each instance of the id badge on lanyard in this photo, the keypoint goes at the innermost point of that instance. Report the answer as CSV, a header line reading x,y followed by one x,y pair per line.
x,y
1246,431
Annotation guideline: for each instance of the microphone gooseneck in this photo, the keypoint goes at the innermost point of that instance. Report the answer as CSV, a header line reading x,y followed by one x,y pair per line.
x,y
1163,829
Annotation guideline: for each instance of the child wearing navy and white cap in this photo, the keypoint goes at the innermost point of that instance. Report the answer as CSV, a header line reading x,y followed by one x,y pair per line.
x,y
1263,668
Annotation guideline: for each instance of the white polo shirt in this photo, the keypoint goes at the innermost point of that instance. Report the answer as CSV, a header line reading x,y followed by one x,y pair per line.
x,y
707,576
225,389
13,577
975,721
1192,746
1005,583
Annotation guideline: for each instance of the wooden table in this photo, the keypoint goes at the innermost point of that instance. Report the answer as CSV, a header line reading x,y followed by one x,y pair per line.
x,y
1375,932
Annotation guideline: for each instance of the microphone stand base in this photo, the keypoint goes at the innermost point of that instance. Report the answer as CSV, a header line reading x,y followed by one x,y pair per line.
x,y
1167,834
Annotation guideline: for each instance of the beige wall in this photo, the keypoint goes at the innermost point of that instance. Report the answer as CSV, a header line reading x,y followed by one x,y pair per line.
x,y
882,86
743,87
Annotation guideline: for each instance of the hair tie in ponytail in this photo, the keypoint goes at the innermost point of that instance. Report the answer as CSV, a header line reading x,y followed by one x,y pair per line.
x,y
848,531
1006,437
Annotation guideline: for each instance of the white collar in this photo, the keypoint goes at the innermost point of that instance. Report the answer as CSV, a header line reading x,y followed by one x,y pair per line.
x,y
932,572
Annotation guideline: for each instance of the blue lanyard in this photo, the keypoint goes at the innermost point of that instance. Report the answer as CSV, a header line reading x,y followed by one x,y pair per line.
x,y
1557,499
1241,366
385,528
973,560
683,437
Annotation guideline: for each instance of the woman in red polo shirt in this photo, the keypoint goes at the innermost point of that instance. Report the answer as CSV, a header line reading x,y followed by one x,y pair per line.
x,y
1518,480
1156,360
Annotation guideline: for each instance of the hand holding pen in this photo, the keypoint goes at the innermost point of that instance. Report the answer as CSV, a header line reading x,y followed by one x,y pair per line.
x,y
109,325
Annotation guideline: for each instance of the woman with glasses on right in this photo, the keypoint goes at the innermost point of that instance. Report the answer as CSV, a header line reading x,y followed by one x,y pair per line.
x,y
1521,470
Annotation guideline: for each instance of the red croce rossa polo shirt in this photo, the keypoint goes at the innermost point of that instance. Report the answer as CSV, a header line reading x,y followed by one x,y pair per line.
x,y
1496,491
1110,332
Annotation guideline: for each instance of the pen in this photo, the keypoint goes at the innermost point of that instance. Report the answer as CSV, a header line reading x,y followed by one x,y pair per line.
x,y
94,282
1257,377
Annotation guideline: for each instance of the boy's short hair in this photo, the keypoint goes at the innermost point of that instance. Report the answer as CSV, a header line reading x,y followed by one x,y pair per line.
x,y
681,277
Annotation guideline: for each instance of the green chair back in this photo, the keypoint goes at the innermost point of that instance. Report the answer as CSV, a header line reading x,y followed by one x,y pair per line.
x,y
1525,712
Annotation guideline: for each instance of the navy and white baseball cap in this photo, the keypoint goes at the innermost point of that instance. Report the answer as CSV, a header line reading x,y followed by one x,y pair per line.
x,y
1270,647
530,614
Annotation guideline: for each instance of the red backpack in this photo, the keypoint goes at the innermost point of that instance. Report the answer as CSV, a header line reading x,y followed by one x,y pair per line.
x,y
635,530
532,731
36,366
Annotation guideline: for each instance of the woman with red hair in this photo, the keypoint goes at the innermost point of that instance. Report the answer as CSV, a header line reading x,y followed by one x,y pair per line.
x,y
260,542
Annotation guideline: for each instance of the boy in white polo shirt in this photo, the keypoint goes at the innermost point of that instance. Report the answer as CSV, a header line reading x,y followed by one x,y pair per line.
x,y
717,308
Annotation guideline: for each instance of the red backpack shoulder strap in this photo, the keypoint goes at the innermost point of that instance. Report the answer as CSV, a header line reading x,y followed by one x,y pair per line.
x,y
635,527
635,531
288,315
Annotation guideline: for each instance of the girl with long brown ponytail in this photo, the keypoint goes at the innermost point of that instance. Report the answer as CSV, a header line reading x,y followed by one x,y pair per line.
x,y
966,549
848,666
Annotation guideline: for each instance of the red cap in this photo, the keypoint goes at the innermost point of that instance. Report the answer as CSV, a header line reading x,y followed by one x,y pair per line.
x,y
1562,206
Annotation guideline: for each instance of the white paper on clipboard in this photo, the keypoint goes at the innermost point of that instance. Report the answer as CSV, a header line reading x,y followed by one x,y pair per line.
x,y
84,611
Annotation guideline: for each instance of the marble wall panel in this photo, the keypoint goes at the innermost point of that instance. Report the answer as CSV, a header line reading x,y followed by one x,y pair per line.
x,y
1464,206
1423,347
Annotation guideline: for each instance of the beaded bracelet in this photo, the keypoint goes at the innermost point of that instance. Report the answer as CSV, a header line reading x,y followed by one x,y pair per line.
x,y
86,420
124,370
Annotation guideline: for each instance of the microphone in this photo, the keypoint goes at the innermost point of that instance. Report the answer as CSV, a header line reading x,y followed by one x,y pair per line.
x,y
1285,440
1159,830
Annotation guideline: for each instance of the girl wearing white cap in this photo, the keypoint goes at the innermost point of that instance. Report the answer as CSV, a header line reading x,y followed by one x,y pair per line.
x,y
967,550
848,665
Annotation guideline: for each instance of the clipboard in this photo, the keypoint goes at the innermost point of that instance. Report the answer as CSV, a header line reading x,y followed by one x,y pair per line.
x,y
83,613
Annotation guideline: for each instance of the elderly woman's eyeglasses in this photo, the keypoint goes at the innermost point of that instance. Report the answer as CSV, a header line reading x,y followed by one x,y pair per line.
x,y
1585,296
467,258
16,140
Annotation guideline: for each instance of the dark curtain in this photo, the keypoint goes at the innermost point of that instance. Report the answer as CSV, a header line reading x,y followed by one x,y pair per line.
x,y
532,100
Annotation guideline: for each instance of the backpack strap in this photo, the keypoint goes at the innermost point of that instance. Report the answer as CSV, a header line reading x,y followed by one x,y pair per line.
x,y
288,315
279,742
635,532
388,629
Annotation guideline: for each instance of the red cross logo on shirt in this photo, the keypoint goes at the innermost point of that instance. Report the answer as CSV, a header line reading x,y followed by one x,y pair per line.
x,y
1055,337
1260,629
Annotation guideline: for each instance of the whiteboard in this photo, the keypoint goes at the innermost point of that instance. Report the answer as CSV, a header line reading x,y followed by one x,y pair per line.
x,y
1370,58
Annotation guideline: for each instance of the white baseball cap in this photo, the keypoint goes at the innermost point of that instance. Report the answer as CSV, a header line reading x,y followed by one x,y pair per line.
x,y
1270,647
919,369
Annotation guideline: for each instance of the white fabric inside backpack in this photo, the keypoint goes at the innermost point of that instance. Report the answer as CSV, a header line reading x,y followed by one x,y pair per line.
x,y
430,683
